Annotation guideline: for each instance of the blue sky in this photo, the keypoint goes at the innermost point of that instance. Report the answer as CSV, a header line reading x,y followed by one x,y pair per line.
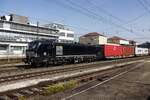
x,y
124,18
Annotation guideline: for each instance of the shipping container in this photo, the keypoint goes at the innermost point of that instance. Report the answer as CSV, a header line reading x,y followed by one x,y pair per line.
x,y
141,51
112,51
127,51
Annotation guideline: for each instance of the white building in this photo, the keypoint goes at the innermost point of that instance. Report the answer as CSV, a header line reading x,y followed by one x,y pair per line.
x,y
14,37
65,34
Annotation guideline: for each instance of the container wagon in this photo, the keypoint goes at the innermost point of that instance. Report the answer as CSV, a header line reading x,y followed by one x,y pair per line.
x,y
141,51
128,51
112,51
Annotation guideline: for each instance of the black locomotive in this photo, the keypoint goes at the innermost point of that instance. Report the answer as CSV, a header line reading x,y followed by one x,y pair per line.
x,y
41,52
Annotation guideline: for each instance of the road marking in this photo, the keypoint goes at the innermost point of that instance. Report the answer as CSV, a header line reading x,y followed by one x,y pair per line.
x,y
139,65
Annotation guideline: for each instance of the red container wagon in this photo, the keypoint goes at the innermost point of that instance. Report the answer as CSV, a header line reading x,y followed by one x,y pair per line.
x,y
112,51
127,51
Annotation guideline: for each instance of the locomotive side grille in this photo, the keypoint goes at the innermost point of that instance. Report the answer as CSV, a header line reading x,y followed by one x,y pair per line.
x,y
30,53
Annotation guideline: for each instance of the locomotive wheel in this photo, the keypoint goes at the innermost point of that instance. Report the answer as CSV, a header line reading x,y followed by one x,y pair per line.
x,y
55,62
33,64
46,64
76,60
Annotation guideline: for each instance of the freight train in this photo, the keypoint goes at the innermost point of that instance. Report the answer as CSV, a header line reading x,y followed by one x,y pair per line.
x,y
45,52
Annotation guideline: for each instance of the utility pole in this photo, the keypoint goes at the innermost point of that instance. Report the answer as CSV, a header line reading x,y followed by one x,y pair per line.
x,y
37,29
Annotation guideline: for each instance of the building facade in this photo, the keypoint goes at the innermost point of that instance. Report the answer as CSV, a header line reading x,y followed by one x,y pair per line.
x,y
65,34
15,18
118,40
15,36
93,38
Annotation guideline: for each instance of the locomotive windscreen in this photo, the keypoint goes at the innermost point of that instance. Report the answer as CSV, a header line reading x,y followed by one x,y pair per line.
x,y
34,44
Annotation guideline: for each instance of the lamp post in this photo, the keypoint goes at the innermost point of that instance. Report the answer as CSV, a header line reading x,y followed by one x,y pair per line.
x,y
37,29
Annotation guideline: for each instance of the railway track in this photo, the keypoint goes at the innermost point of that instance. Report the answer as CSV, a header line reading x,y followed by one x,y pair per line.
x,y
59,70
9,68
32,75
6,68
23,68
102,79
104,75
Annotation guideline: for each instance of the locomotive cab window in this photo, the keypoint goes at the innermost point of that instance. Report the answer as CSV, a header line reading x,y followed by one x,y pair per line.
x,y
34,45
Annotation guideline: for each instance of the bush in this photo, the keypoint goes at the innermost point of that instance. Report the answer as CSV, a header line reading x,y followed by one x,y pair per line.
x,y
70,84
51,89
21,98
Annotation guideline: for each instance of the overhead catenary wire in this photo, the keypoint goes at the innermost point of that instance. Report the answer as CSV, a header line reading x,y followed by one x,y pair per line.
x,y
144,6
146,3
51,21
97,16
136,18
115,17
48,21
102,18
104,11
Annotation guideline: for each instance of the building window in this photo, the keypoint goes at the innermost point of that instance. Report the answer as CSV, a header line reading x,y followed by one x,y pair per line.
x,y
17,48
70,35
1,24
62,34
3,47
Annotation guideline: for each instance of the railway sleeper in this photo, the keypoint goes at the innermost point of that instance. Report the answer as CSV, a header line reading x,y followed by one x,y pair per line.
x,y
14,96
86,79
4,97
26,92
102,78
35,90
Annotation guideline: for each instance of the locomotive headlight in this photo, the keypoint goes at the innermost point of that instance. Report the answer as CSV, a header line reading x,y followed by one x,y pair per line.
x,y
44,53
